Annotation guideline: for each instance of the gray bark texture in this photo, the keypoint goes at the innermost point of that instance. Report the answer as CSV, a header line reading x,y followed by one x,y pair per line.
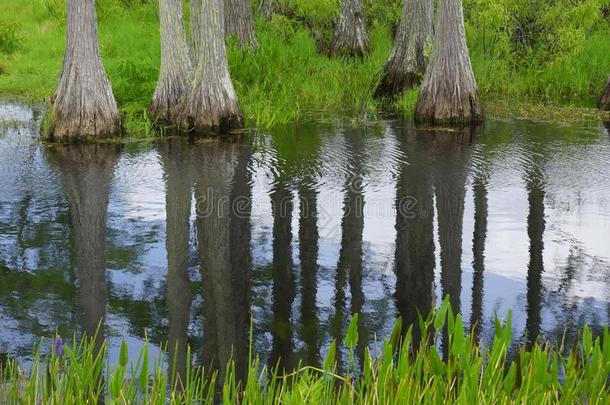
x,y
604,101
407,63
238,21
212,104
176,71
449,91
351,38
83,106
194,29
268,7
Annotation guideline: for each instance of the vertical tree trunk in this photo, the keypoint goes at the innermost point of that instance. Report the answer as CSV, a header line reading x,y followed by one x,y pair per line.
x,y
212,103
84,105
351,38
407,63
175,157
268,7
449,91
604,101
175,73
238,20
195,30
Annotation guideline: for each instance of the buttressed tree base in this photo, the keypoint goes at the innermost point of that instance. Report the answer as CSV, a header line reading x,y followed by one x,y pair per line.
x,y
351,38
407,63
212,104
449,93
175,74
84,106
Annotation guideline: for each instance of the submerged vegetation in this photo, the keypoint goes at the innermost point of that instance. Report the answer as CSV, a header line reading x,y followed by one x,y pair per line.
x,y
530,50
447,366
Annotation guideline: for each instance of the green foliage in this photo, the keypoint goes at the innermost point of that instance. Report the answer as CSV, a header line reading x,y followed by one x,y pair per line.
x,y
556,50
406,371
9,39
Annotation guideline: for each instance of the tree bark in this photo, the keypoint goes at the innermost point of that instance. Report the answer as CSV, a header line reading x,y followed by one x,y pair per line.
x,y
84,106
449,91
194,29
238,20
176,71
407,63
351,38
604,101
268,7
212,104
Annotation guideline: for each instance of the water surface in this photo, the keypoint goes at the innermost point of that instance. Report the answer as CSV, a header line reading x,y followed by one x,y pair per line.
x,y
187,241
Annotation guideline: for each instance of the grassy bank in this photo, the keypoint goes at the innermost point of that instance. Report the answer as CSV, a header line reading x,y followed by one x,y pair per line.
x,y
409,370
522,50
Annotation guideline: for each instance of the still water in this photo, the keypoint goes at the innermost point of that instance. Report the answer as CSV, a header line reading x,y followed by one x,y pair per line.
x,y
188,241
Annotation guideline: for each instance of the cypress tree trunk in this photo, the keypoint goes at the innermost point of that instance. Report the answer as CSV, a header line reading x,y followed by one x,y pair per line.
x,y
238,20
407,63
212,102
175,73
604,101
351,38
194,29
268,7
84,105
449,92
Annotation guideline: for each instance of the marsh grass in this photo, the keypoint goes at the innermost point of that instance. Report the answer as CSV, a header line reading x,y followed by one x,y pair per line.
x,y
446,366
289,74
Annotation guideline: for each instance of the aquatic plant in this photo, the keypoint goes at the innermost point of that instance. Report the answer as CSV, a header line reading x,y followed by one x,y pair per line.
x,y
434,361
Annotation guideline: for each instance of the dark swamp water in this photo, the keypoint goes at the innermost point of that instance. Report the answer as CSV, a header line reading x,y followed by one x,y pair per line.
x,y
189,241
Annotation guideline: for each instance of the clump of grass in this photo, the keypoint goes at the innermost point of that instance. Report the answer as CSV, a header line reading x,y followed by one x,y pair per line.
x,y
10,41
432,362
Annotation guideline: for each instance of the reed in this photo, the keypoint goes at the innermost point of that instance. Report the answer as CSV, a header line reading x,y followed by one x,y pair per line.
x,y
446,366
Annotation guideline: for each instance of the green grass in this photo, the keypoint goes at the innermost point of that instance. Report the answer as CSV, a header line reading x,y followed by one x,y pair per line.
x,y
288,76
408,370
